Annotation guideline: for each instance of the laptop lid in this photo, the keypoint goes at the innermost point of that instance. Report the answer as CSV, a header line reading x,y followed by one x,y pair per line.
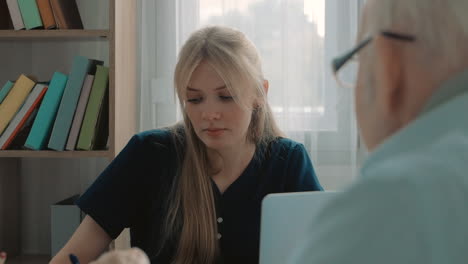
x,y
285,217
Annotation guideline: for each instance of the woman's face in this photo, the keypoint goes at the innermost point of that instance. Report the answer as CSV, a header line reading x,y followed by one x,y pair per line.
x,y
214,114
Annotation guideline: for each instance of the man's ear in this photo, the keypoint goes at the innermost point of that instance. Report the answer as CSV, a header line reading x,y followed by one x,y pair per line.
x,y
390,93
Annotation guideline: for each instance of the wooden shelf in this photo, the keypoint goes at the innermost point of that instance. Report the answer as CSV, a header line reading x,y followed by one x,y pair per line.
x,y
29,259
115,43
69,33
54,154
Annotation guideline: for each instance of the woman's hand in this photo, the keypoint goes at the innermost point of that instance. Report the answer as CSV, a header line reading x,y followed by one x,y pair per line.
x,y
127,256
3,256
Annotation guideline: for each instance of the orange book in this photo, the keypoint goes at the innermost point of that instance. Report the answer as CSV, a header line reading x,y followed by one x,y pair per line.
x,y
32,102
66,13
47,15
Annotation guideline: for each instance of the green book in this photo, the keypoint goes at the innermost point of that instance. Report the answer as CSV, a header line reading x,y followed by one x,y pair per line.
x,y
96,100
30,14
5,90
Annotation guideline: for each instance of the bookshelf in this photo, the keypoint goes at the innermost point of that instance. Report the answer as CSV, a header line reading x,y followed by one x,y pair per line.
x,y
43,34
30,181
53,154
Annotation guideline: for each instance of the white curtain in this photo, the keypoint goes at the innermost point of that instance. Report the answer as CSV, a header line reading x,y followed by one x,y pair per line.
x,y
296,39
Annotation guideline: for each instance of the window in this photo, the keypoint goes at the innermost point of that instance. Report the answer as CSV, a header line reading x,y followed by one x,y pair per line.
x,y
297,40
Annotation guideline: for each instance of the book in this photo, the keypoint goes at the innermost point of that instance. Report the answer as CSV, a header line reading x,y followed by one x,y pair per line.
x,y
101,134
5,90
42,126
79,113
14,100
5,18
20,138
66,13
15,14
47,14
80,68
30,14
95,103
31,103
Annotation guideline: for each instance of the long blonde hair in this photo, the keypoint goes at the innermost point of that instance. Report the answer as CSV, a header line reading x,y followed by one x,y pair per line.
x,y
191,207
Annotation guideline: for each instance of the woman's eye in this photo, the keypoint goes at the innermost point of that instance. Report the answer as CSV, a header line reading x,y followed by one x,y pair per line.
x,y
225,98
195,100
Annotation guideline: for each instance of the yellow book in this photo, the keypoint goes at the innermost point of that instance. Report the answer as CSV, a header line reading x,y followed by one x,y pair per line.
x,y
14,100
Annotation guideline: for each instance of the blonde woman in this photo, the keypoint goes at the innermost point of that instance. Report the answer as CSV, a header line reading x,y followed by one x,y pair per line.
x,y
192,193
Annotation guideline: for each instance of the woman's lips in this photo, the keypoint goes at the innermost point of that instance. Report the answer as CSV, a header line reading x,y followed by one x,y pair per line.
x,y
214,132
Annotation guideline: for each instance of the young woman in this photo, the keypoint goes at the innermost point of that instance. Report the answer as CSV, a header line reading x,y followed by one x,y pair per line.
x,y
192,193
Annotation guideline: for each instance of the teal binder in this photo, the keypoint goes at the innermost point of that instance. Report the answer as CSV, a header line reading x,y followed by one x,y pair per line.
x,y
47,112
5,90
30,13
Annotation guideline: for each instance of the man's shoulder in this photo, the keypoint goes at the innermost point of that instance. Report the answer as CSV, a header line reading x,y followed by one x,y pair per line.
x,y
420,192
438,164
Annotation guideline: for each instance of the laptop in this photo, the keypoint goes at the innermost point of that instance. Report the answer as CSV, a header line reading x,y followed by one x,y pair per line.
x,y
285,217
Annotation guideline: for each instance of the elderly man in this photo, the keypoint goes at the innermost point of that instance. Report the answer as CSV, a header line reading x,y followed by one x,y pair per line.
x,y
410,204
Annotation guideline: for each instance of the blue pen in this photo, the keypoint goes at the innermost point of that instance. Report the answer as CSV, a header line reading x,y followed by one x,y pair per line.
x,y
74,259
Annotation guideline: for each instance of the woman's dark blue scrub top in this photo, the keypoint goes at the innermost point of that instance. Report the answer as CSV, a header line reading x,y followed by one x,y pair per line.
x,y
133,191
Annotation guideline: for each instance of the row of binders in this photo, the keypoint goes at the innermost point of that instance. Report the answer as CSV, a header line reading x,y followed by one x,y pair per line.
x,y
69,112
39,14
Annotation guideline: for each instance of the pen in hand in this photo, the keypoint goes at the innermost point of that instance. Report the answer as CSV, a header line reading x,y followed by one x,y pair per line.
x,y
74,259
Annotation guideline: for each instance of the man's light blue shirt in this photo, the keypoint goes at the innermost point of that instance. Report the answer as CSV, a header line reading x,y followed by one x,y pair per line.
x,y
410,204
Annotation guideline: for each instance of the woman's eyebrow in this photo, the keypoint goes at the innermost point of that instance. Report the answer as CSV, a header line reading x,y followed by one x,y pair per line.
x,y
192,89
220,88
197,90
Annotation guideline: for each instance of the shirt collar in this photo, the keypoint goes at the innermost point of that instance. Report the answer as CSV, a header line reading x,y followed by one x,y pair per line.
x,y
446,110
449,89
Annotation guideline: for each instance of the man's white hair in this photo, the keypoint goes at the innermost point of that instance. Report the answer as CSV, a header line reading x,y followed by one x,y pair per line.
x,y
440,25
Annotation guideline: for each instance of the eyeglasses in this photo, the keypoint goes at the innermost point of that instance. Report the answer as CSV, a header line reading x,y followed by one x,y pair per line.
x,y
345,67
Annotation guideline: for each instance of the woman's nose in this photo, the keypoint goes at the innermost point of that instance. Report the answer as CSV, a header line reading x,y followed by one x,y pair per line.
x,y
211,115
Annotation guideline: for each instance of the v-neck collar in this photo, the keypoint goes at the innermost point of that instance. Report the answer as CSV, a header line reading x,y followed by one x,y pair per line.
x,y
253,164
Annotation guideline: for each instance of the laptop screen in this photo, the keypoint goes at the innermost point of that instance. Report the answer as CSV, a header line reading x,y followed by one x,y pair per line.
x,y
285,217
